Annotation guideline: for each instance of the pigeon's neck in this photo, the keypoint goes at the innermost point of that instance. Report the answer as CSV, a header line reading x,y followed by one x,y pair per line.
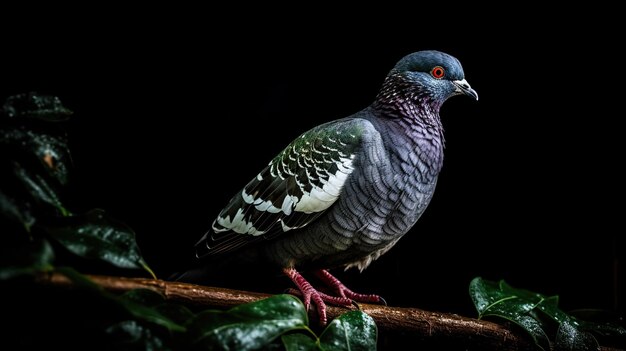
x,y
398,99
415,110
412,127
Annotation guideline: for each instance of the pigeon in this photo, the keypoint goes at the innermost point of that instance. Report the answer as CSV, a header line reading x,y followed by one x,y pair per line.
x,y
345,192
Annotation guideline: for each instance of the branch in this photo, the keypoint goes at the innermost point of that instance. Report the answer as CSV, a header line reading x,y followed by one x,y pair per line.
x,y
444,327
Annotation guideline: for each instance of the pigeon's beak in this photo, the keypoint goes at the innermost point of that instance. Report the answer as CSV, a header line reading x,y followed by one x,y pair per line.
x,y
463,87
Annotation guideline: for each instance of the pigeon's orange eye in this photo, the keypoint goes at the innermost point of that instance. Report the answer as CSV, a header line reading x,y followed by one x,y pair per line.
x,y
438,72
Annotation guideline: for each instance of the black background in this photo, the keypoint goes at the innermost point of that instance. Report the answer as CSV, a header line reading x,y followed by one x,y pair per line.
x,y
175,113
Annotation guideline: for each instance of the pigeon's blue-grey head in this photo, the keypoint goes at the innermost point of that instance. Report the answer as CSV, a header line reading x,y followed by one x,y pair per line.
x,y
426,77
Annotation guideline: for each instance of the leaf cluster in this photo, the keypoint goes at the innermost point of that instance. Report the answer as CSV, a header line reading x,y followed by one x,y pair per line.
x,y
549,327
39,231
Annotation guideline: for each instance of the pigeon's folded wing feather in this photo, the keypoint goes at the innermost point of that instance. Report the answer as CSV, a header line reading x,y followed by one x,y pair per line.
x,y
295,188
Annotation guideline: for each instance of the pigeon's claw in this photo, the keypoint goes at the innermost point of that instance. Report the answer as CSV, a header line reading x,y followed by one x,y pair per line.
x,y
309,294
344,292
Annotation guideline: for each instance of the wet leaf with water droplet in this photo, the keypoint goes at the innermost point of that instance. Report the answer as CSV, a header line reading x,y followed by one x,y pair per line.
x,y
534,328
132,335
38,188
16,211
149,314
352,331
526,295
132,302
95,235
501,300
248,327
608,326
146,297
299,342
539,315
490,299
35,106
156,302
28,137
570,337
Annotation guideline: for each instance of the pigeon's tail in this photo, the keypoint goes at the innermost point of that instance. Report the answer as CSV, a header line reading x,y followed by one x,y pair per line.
x,y
216,244
202,249
176,276
216,254
226,270
202,272
202,246
194,276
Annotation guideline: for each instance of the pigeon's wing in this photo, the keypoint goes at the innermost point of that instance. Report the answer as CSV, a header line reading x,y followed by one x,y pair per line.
x,y
295,188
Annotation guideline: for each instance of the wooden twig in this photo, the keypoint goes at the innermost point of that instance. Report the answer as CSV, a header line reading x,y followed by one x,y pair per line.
x,y
419,323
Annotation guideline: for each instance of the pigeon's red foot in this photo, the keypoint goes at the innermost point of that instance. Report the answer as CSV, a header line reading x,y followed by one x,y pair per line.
x,y
343,291
309,293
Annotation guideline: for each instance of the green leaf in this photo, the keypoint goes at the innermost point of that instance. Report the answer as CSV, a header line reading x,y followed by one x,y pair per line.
x,y
605,329
605,326
151,315
250,326
28,259
540,316
527,295
533,327
145,297
570,337
501,300
352,331
97,236
300,342
43,151
551,309
494,298
490,299
131,302
83,282
177,313
485,293
35,106
147,305
601,322
38,188
16,212
596,315
131,335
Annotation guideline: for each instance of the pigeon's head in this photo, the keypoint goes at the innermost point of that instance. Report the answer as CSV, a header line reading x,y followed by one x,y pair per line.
x,y
432,75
